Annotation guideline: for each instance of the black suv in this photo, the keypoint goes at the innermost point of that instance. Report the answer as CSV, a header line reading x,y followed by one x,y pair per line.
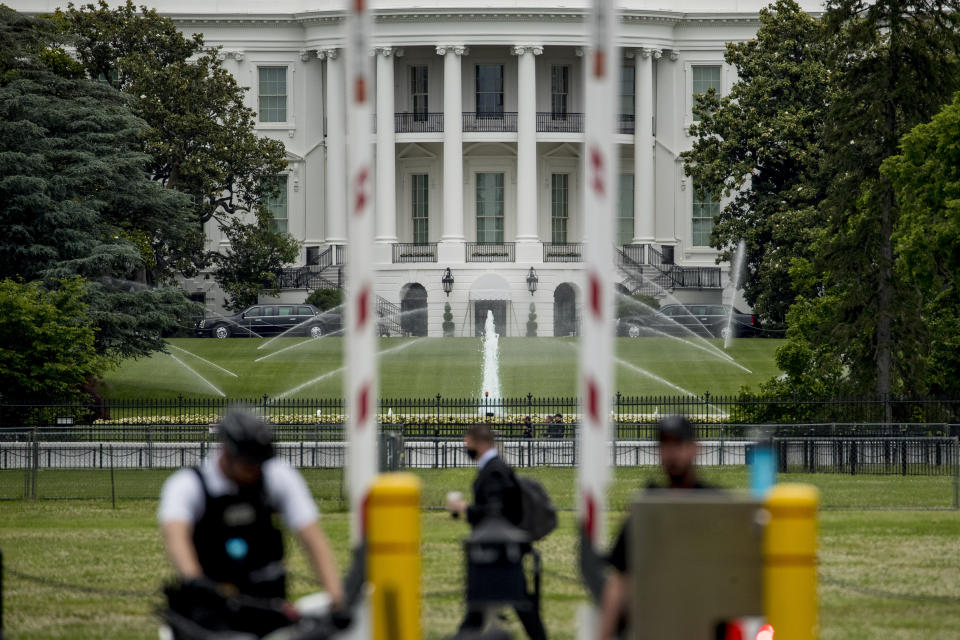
x,y
706,320
270,320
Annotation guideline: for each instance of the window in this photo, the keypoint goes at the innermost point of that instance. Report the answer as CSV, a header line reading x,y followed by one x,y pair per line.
x,y
275,201
253,312
560,183
706,207
418,92
268,311
490,207
705,77
304,311
627,91
625,210
273,94
490,90
421,208
286,311
559,89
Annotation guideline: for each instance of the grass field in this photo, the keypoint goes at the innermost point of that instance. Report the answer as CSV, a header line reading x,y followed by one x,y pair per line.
x,y
424,367
885,574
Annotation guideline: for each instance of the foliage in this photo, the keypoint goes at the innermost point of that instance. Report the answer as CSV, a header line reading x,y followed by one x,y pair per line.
x,y
448,326
74,198
47,347
326,299
926,180
201,138
893,65
761,147
249,265
532,321
636,305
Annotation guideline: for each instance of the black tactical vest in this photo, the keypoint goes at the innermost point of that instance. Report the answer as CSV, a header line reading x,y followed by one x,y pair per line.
x,y
237,542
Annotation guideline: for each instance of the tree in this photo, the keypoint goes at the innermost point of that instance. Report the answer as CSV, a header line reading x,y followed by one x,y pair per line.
x,y
201,138
926,180
326,299
47,347
532,321
893,65
249,265
71,177
762,145
448,326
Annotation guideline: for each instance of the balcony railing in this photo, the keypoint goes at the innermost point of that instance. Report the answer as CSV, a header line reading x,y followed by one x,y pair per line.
x,y
418,122
625,123
490,122
548,122
491,252
563,252
414,252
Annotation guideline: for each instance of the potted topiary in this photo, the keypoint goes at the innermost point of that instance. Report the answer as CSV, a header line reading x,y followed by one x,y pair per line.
x,y
532,322
448,325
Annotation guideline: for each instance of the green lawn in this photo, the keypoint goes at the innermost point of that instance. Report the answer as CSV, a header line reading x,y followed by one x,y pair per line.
x,y
868,559
424,367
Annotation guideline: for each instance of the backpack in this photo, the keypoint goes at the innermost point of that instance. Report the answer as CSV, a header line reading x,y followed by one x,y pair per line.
x,y
539,514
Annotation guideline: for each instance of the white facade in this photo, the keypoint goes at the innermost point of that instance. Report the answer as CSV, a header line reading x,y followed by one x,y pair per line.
x,y
502,105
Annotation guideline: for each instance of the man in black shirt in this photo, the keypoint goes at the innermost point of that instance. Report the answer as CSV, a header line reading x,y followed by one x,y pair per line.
x,y
678,454
496,493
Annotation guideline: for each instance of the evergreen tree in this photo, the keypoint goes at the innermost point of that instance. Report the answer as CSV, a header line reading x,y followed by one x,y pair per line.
x,y
893,65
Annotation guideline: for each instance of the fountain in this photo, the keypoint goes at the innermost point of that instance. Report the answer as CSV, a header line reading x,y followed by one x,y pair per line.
x,y
490,390
735,280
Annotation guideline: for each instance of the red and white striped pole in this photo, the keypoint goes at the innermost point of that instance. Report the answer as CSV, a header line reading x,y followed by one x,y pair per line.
x,y
596,340
360,394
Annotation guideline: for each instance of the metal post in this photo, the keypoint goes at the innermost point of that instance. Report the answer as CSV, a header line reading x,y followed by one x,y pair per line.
x,y
956,475
113,486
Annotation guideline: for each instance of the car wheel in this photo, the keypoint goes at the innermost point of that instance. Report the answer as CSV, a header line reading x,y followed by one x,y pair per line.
x,y
724,332
316,331
633,331
221,331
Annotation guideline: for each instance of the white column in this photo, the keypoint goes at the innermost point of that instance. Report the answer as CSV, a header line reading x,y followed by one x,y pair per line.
x,y
644,222
527,149
452,231
336,182
386,149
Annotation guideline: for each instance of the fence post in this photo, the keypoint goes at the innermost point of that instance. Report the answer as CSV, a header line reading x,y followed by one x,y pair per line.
x,y
36,464
956,474
113,486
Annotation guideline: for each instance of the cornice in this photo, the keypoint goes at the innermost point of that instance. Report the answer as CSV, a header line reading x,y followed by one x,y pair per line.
x,y
415,15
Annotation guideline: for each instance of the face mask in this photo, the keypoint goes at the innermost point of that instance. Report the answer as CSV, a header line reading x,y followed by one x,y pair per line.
x,y
472,453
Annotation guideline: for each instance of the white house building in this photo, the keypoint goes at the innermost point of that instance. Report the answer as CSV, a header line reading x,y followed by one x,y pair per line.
x,y
479,136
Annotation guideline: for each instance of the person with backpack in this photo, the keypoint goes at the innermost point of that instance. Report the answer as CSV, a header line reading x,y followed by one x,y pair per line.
x,y
218,527
497,493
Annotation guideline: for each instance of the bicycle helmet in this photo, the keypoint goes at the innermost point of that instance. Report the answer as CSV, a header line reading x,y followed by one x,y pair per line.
x,y
246,436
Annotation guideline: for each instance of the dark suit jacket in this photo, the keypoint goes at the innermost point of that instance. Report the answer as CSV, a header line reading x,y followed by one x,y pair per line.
x,y
495,492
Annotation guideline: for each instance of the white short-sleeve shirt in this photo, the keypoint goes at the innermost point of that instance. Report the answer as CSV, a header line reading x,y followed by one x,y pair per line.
x,y
182,499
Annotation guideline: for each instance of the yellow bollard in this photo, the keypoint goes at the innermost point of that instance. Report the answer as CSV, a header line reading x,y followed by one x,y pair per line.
x,y
392,513
790,562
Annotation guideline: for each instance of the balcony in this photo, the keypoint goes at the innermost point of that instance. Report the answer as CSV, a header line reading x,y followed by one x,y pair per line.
x,y
418,122
625,123
491,252
563,252
489,122
414,252
548,122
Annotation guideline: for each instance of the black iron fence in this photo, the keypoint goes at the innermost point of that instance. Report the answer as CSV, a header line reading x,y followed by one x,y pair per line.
x,y
633,415
418,122
491,251
490,121
548,122
563,252
414,252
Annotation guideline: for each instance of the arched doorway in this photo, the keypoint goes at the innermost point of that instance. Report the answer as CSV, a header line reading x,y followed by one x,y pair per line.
x,y
565,310
413,305
490,293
